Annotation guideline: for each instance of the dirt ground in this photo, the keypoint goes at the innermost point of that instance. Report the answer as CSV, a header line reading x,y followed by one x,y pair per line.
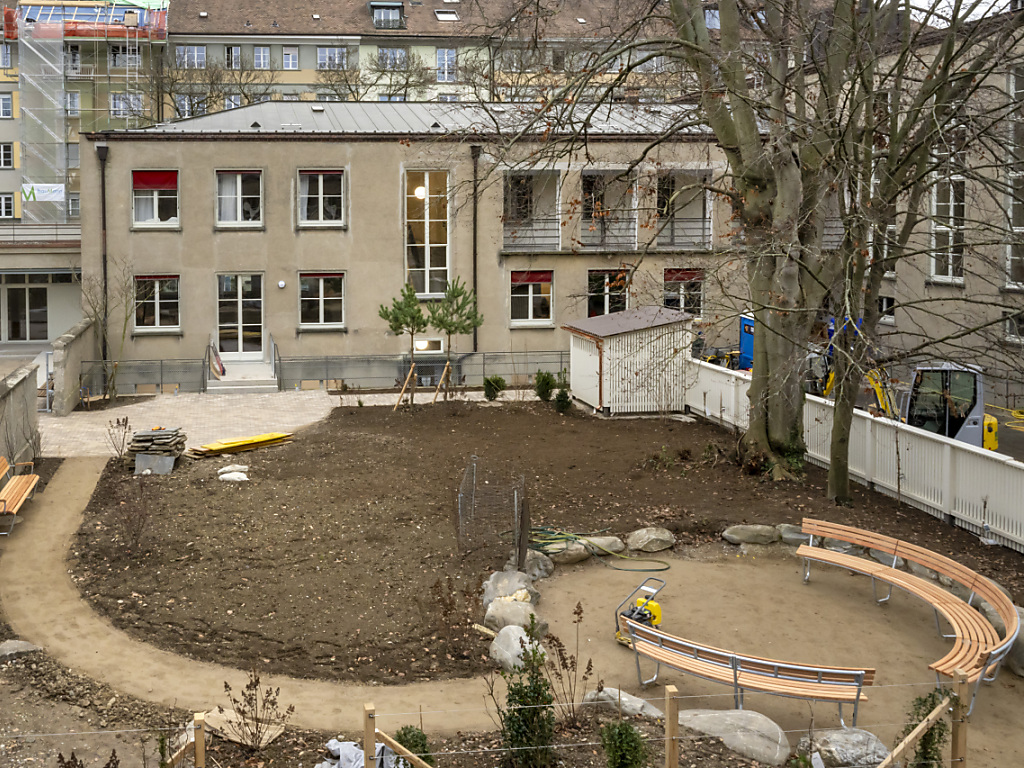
x,y
339,560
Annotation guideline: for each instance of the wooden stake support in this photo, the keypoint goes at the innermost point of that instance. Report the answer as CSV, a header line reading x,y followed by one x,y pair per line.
x,y
445,375
671,727
199,721
958,740
369,737
408,378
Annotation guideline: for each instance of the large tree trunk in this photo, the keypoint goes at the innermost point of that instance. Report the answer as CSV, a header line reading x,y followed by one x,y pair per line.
x,y
846,387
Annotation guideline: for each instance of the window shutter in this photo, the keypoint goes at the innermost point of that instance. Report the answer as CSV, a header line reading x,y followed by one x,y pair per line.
x,y
154,179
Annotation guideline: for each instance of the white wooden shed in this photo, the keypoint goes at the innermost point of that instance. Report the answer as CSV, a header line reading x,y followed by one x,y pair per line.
x,y
631,361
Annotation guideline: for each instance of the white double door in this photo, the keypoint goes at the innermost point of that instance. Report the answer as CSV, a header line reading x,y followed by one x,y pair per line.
x,y
240,316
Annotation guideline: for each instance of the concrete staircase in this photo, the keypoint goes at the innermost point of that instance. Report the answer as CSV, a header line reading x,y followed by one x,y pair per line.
x,y
248,378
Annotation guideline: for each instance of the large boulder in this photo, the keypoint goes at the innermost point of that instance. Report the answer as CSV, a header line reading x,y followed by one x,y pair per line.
x,y
507,648
792,534
838,545
568,553
751,534
612,698
506,613
538,565
604,545
922,570
844,747
13,649
886,559
748,733
1015,658
651,539
511,585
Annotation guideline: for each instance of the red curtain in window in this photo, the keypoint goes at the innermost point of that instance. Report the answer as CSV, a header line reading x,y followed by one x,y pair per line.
x,y
535,276
683,275
154,179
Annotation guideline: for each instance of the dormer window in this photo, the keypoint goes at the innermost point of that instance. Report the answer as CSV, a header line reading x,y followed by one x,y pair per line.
x,y
387,15
444,15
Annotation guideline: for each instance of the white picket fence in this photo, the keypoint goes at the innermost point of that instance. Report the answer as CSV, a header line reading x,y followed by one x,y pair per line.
x,y
971,487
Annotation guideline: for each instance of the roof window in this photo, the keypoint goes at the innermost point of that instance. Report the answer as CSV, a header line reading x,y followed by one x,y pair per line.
x,y
388,15
447,15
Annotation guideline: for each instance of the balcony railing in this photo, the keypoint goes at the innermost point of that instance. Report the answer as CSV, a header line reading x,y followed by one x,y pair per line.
x,y
15,232
683,232
398,23
609,232
536,234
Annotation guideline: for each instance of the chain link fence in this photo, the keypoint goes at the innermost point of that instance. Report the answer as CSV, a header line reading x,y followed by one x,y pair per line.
x,y
492,512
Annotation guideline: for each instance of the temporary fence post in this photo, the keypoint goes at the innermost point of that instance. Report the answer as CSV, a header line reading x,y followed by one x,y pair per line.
x,y
958,746
671,727
369,737
199,732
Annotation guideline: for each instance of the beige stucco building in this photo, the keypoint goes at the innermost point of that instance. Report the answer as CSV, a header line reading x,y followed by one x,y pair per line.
x,y
296,221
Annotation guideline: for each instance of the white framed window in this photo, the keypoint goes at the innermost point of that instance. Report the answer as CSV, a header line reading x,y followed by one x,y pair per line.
x,y
233,56
239,198
6,105
125,104
290,97
948,219
388,15
122,56
331,58
606,291
449,97
446,58
73,155
1013,326
322,197
1015,249
449,14
887,310
189,106
532,297
649,63
74,210
684,289
157,304
154,198
392,97
259,98
322,299
290,57
190,56
426,231
5,55
261,57
7,155
232,101
392,58
6,206
72,60
882,248
73,103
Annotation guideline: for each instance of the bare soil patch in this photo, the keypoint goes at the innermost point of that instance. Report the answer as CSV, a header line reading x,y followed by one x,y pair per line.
x,y
338,559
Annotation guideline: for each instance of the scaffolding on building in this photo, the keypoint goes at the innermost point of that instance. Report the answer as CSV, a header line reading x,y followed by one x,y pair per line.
x,y
81,69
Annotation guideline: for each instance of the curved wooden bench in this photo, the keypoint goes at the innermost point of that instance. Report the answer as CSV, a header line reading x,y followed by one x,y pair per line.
x,y
841,685
978,648
17,490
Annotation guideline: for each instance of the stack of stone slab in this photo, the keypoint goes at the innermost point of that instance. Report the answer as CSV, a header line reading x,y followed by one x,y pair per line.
x,y
158,442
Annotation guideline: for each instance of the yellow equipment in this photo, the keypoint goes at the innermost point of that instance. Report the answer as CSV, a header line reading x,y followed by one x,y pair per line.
x,y
642,607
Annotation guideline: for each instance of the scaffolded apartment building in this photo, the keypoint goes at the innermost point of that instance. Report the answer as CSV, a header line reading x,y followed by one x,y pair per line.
x,y
66,69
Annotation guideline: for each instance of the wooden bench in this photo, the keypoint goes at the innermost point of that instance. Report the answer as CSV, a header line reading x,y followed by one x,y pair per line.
x,y
16,491
978,648
841,685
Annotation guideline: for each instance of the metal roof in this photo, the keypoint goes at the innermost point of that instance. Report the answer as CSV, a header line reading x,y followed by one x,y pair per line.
x,y
440,118
628,320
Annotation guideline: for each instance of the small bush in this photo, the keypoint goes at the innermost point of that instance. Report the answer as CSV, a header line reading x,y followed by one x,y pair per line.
x,y
494,386
258,711
415,740
544,384
562,401
624,746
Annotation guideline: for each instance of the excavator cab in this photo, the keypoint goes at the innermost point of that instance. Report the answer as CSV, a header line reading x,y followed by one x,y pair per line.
x,y
949,400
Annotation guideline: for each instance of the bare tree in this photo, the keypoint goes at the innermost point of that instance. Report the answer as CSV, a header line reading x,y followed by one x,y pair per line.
x,y
111,312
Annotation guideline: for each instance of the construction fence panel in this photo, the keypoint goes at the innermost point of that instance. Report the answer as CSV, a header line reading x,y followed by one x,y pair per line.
x,y
136,376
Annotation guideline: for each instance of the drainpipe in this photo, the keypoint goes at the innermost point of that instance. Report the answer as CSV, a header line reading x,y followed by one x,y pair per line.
x,y
474,152
102,151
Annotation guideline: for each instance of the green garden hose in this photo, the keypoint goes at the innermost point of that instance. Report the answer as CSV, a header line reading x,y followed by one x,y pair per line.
x,y
543,537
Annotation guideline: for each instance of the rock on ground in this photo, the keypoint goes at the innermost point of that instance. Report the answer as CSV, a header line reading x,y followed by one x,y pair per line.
x,y
1015,658
652,539
538,565
844,747
751,534
749,733
792,534
603,545
568,553
886,559
507,648
508,584
13,649
922,570
504,613
611,698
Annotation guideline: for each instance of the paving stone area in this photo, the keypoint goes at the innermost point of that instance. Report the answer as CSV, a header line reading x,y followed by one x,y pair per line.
x,y
204,418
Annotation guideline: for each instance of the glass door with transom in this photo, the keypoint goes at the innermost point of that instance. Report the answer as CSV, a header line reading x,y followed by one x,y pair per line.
x,y
240,316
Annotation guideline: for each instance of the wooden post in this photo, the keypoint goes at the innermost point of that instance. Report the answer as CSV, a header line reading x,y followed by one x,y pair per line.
x,y
412,370
369,737
671,727
444,376
523,534
199,731
958,745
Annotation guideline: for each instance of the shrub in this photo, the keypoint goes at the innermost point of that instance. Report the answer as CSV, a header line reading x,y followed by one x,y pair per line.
x,y
494,386
623,745
568,679
544,384
415,740
930,747
562,401
258,712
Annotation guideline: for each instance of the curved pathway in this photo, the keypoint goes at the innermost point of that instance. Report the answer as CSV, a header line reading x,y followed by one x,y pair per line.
x,y
44,607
